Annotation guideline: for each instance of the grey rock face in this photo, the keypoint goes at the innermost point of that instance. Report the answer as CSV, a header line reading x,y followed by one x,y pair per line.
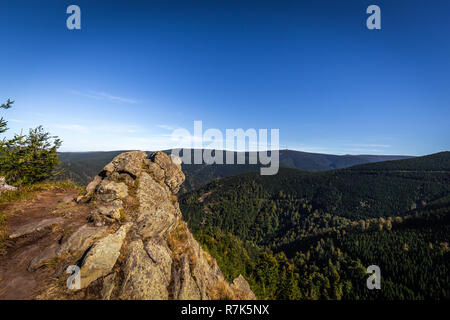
x,y
46,255
242,289
81,240
92,185
144,277
4,186
156,215
108,286
185,287
75,245
34,227
110,210
129,162
161,255
173,175
152,254
109,190
155,170
103,256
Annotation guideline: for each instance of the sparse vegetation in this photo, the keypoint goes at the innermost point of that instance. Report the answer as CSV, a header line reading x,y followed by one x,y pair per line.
x,y
3,232
28,192
221,291
178,243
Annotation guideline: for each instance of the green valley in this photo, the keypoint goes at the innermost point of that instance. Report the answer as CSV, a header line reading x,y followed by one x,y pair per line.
x,y
311,235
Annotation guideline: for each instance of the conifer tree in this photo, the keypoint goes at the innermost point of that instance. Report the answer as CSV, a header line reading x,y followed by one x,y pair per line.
x,y
27,159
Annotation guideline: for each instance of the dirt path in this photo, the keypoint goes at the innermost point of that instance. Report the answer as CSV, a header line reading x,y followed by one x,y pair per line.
x,y
62,214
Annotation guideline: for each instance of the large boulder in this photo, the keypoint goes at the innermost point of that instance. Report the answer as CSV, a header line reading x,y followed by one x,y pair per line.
x,y
156,214
173,175
138,247
103,256
241,289
79,241
129,162
110,190
144,279
111,210
4,186
42,258
184,285
75,245
35,227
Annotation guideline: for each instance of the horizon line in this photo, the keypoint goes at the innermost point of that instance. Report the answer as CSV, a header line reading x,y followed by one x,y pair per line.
x,y
279,150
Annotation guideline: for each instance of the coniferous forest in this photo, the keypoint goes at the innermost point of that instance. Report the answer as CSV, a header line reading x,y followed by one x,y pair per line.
x,y
311,235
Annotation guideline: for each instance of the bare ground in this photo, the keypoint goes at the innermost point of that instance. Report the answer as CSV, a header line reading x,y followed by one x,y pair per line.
x,y
16,282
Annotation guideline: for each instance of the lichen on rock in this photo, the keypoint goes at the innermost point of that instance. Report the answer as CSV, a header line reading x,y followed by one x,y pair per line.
x,y
137,246
100,260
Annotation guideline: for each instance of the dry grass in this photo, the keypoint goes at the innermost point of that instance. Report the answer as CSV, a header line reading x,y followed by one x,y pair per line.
x,y
64,207
178,243
131,204
28,192
131,201
173,198
52,263
178,237
221,291
208,258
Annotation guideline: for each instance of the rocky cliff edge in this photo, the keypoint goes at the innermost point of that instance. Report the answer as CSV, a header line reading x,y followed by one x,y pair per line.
x,y
135,244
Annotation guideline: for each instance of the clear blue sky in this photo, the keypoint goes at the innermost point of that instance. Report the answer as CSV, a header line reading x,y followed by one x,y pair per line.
x,y
137,69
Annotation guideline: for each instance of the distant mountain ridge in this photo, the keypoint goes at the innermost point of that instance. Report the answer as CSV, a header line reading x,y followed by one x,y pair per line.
x,y
311,235
321,162
83,166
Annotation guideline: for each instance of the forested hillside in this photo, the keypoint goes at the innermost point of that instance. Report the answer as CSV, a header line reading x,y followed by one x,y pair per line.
x,y
303,235
83,166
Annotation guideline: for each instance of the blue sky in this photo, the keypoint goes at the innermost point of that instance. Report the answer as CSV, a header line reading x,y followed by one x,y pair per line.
x,y
137,70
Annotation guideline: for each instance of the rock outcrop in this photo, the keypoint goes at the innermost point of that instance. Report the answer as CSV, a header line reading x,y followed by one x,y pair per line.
x,y
4,186
136,245
35,226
